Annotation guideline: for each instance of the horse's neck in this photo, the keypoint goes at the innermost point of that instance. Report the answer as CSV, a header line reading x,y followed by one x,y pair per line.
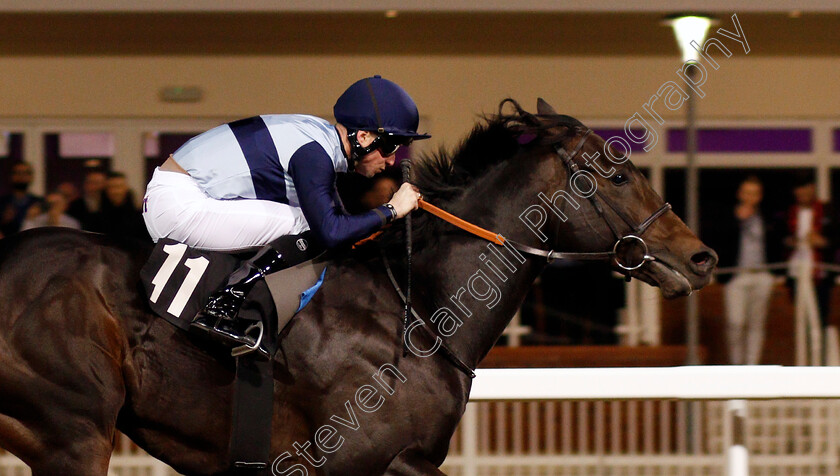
x,y
478,286
479,283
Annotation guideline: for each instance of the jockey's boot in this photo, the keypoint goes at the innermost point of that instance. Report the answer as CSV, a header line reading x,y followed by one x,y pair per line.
x,y
220,316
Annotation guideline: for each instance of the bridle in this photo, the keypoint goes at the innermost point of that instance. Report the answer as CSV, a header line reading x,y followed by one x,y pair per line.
x,y
628,240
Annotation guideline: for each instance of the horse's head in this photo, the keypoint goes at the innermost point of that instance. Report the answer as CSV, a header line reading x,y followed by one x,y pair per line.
x,y
593,199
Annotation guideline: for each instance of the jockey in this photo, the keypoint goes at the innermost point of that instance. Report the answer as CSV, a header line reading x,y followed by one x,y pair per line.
x,y
243,185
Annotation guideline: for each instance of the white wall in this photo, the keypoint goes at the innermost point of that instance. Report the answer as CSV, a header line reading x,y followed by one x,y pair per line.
x,y
450,91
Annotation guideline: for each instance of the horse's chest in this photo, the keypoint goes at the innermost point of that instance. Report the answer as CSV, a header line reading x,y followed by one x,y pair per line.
x,y
360,427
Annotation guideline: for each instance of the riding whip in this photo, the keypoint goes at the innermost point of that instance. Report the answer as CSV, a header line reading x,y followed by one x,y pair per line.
x,y
406,173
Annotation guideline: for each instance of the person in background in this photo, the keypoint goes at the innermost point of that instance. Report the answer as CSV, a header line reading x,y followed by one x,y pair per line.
x,y
119,214
68,190
745,239
15,205
88,208
808,240
54,215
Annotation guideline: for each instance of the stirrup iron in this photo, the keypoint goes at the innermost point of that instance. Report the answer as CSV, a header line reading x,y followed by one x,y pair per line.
x,y
247,349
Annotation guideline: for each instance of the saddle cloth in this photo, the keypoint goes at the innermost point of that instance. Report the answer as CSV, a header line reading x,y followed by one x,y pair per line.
x,y
179,281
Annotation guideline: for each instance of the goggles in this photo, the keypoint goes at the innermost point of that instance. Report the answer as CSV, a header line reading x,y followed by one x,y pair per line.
x,y
387,144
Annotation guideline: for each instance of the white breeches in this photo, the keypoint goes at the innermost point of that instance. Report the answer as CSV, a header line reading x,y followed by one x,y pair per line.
x,y
746,298
175,207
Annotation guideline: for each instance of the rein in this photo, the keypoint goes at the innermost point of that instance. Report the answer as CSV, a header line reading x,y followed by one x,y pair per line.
x,y
498,239
630,239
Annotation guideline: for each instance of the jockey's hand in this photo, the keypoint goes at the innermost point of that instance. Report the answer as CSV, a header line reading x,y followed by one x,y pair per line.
x,y
405,199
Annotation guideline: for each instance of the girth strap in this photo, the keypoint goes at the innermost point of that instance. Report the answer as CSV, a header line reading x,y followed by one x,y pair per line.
x,y
253,407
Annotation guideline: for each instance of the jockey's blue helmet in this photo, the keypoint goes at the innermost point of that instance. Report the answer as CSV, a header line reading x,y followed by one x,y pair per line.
x,y
378,105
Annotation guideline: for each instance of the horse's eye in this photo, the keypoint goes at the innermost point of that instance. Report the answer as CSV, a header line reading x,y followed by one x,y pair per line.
x,y
619,179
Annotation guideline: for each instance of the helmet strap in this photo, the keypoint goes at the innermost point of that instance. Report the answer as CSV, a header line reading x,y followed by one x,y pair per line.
x,y
357,151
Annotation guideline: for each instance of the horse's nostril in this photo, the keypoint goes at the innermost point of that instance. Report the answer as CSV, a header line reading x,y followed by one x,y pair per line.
x,y
703,259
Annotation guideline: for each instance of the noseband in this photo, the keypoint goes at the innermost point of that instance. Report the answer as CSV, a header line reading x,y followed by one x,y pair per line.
x,y
629,239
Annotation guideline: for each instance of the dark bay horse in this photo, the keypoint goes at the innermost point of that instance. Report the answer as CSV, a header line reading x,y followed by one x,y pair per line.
x,y
82,357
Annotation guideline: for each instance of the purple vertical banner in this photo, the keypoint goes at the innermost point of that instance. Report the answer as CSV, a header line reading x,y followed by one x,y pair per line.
x,y
745,140
836,140
634,147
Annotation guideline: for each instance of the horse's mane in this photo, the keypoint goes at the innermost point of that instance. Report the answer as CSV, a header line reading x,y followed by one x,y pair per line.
x,y
442,176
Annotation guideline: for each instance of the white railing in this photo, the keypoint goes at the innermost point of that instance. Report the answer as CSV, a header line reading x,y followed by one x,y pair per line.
x,y
662,421
699,382
627,421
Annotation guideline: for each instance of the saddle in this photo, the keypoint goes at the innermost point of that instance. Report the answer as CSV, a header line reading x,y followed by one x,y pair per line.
x,y
179,281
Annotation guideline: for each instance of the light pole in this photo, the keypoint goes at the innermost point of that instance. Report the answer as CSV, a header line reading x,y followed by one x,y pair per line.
x,y
690,29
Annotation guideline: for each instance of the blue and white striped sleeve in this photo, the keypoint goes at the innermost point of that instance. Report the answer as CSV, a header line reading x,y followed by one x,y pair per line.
x,y
314,177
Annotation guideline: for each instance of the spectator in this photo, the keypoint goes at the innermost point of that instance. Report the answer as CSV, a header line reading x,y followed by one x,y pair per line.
x,y
14,206
88,208
54,215
121,217
69,190
745,238
808,224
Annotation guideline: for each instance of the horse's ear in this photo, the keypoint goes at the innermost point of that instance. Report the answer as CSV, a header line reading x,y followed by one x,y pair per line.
x,y
544,108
